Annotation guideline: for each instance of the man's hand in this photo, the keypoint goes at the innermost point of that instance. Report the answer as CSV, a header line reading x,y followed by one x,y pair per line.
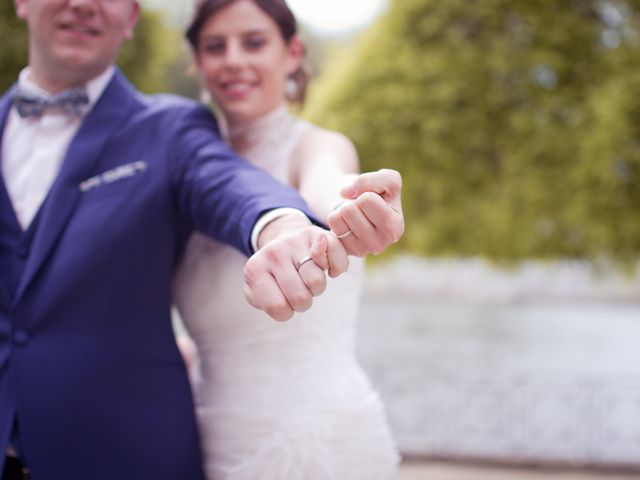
x,y
370,219
279,278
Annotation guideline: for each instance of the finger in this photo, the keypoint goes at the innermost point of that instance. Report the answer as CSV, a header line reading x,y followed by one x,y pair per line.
x,y
264,294
319,252
336,223
342,231
388,223
386,183
337,257
374,223
313,277
293,287
364,238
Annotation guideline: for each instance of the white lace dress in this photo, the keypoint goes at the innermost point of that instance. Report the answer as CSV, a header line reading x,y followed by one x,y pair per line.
x,y
279,401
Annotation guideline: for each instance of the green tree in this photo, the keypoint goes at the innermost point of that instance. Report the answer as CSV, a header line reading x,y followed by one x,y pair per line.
x,y
514,123
146,59
13,37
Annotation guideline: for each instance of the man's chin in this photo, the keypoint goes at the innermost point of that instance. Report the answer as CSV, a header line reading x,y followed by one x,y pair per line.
x,y
81,68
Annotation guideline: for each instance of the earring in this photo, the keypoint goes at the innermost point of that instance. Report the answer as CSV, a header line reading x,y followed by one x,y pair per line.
x,y
205,96
290,88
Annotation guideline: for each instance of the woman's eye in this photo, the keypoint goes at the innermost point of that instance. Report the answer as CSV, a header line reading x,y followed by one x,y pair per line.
x,y
213,48
254,43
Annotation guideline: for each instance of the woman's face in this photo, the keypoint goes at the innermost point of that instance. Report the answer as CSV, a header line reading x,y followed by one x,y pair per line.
x,y
244,61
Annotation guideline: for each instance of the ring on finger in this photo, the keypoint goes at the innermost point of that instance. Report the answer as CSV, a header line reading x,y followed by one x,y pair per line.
x,y
302,261
343,235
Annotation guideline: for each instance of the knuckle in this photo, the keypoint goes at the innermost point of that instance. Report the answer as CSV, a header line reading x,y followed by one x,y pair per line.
x,y
359,251
396,179
378,250
398,231
283,317
368,197
248,294
301,302
317,285
348,208
333,216
249,271
335,221
305,307
272,255
371,201
339,271
279,313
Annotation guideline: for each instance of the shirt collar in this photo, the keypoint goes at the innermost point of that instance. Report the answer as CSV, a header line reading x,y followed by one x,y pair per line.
x,y
95,86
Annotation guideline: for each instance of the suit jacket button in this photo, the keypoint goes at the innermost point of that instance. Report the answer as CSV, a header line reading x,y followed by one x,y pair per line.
x,y
20,338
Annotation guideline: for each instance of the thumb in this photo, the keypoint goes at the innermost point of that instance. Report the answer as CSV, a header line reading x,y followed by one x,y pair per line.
x,y
386,183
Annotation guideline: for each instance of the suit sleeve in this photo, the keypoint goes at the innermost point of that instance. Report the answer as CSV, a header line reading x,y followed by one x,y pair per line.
x,y
221,194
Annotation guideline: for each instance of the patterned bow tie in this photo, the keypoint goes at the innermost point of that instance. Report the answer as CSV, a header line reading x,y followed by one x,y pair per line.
x,y
74,102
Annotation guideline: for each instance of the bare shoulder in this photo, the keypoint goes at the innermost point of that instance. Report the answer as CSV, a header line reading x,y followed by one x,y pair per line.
x,y
319,139
322,152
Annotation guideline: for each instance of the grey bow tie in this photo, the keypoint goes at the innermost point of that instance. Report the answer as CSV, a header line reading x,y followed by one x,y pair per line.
x,y
74,101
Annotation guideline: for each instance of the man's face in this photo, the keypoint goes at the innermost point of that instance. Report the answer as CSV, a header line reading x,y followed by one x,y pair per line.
x,y
72,41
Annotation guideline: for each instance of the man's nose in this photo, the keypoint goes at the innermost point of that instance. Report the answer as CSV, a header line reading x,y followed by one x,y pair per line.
x,y
83,5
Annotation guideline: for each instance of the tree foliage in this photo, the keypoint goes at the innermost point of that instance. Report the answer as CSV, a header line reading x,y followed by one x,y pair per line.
x,y
515,124
13,37
157,59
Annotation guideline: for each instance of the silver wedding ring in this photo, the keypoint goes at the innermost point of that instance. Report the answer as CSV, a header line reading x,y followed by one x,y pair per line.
x,y
302,261
344,235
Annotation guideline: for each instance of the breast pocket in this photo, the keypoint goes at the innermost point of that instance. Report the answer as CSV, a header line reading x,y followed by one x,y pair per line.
x,y
115,183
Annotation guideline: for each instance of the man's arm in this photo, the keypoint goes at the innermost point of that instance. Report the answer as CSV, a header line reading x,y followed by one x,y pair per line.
x,y
220,194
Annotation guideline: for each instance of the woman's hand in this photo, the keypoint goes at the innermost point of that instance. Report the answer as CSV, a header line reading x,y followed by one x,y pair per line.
x,y
370,218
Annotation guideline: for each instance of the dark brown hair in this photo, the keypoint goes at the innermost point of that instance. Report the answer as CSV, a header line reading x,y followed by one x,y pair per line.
x,y
278,10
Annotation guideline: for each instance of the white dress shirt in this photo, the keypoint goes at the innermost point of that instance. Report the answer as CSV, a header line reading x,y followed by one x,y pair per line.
x,y
34,148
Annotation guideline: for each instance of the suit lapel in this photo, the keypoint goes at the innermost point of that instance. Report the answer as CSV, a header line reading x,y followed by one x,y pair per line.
x,y
79,163
5,106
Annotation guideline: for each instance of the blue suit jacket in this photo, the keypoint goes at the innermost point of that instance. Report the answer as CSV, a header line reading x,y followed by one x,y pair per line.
x,y
88,361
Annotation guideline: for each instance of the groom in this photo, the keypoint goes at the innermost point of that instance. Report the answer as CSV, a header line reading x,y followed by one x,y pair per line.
x,y
100,187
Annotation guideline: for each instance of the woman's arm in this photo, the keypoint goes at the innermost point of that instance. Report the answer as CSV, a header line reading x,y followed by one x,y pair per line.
x,y
324,169
322,163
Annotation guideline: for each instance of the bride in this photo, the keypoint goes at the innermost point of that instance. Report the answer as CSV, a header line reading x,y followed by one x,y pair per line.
x,y
276,401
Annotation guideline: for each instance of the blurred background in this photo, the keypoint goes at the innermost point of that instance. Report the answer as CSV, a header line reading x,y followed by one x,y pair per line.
x,y
503,330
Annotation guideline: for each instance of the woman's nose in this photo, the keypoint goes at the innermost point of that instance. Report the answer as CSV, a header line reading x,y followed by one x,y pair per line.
x,y
234,55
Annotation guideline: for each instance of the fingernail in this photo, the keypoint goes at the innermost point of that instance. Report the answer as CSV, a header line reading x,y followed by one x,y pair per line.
x,y
348,192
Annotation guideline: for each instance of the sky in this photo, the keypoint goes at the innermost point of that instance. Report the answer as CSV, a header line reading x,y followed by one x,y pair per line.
x,y
324,17
336,16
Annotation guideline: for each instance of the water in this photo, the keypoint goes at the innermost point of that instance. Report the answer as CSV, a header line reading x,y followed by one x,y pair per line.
x,y
539,363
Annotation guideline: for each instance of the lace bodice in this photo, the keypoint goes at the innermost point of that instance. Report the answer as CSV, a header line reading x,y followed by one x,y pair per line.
x,y
269,141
